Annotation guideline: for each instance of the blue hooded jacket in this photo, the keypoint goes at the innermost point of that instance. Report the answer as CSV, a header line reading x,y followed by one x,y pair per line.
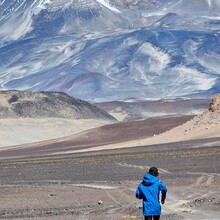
x,y
149,190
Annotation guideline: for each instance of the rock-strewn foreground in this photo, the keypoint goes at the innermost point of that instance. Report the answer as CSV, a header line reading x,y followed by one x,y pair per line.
x,y
23,104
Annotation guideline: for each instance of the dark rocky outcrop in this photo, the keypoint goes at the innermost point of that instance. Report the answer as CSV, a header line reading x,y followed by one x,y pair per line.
x,y
23,104
215,103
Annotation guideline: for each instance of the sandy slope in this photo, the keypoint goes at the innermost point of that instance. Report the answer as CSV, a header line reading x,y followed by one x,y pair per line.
x,y
28,130
205,125
174,135
22,131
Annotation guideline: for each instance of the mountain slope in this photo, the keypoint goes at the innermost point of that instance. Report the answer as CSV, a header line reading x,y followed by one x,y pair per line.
x,y
111,50
18,104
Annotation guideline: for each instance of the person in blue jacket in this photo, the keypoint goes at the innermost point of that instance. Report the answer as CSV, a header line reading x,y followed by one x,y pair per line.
x,y
151,191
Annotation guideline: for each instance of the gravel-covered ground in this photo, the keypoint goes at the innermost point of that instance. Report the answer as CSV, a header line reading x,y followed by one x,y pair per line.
x,y
102,186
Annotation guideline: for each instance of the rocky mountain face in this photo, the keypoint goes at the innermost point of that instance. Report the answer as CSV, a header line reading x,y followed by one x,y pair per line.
x,y
19,104
105,50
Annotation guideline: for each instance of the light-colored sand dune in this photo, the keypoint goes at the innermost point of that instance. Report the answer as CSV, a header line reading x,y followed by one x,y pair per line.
x,y
174,135
28,130
205,125
22,131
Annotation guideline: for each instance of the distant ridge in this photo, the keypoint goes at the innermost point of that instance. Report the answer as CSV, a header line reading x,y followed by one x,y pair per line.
x,y
24,104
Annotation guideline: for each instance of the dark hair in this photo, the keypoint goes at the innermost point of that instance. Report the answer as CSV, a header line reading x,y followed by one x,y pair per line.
x,y
153,171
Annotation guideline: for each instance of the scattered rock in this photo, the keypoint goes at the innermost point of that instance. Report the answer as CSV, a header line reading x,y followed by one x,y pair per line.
x,y
172,217
52,195
100,202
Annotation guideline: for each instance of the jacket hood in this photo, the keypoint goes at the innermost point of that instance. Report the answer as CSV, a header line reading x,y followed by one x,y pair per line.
x,y
149,179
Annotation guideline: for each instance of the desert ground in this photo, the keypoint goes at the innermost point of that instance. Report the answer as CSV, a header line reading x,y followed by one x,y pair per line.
x,y
102,186
93,174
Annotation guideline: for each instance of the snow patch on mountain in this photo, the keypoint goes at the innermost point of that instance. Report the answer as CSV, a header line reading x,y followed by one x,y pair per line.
x,y
107,5
41,6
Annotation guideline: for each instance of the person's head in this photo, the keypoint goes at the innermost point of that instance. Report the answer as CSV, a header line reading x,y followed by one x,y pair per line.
x,y
153,171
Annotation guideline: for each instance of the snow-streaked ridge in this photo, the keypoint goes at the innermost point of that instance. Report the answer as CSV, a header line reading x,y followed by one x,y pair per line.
x,y
110,50
107,5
